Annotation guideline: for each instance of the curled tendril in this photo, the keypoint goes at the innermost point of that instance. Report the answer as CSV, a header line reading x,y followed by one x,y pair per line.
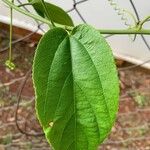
x,y
122,12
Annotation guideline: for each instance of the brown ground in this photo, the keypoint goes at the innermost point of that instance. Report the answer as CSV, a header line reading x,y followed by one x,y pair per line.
x,y
132,128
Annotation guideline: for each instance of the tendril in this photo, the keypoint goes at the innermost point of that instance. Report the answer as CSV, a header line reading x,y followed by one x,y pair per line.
x,y
122,12
9,62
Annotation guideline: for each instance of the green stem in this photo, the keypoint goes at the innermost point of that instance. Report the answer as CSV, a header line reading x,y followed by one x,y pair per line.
x,y
25,4
36,17
48,15
125,31
9,62
10,33
103,31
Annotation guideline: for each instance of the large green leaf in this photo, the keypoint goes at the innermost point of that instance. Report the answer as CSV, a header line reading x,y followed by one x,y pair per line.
x,y
58,15
76,88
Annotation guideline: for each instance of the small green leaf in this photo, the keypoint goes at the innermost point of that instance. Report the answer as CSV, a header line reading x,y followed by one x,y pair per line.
x,y
58,15
76,87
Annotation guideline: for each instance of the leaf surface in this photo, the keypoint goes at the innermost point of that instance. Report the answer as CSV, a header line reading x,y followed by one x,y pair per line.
x,y
58,15
76,88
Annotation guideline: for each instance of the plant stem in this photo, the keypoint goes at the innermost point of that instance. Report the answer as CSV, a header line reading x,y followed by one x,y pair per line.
x,y
102,31
125,31
25,4
48,15
9,62
10,33
36,17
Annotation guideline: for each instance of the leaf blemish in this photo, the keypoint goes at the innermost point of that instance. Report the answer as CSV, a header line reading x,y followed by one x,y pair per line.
x,y
51,124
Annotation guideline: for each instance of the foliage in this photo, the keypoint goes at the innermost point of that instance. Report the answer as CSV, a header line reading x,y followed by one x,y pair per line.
x,y
57,14
76,87
75,78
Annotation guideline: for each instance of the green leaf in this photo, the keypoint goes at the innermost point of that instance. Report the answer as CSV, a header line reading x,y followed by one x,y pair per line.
x,y
58,15
76,87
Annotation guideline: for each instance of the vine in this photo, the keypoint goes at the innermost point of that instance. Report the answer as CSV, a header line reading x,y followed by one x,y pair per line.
x,y
74,76
9,62
134,30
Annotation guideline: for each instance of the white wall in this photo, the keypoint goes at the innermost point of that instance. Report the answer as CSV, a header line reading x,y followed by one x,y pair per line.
x,y
101,15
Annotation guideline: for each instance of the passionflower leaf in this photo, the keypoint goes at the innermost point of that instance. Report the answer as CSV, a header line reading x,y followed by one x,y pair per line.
x,y
58,15
76,87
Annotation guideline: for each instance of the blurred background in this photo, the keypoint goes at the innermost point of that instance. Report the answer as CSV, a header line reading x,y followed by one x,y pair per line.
x,y
19,129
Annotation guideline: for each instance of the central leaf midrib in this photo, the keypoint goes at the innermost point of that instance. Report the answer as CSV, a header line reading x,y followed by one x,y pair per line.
x,y
73,98
74,82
